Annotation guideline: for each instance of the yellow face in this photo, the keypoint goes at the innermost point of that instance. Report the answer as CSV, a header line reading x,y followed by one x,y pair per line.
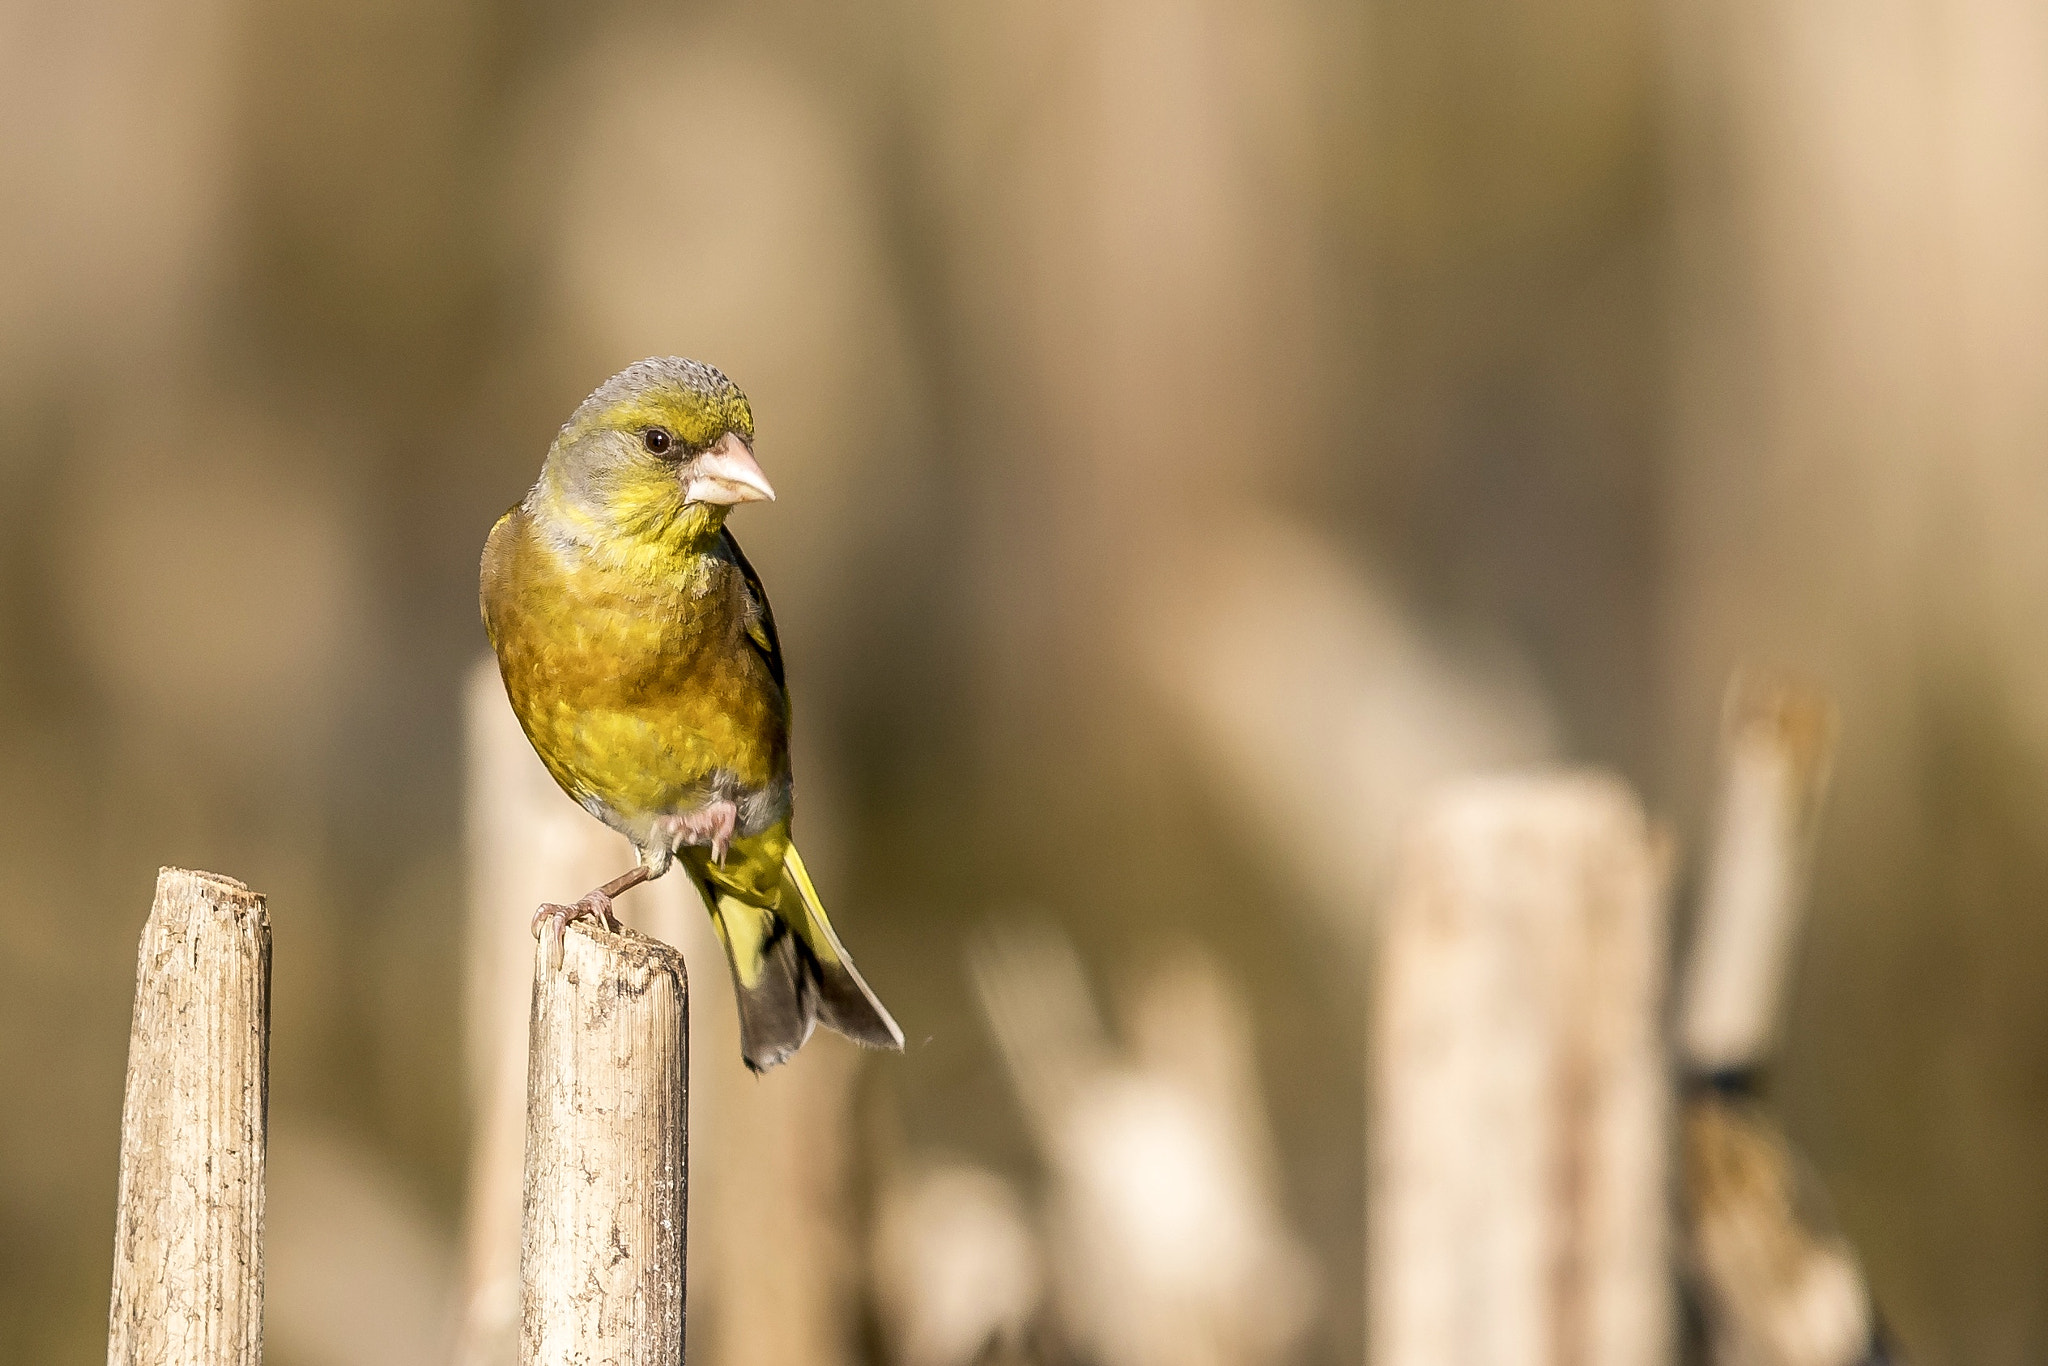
x,y
659,452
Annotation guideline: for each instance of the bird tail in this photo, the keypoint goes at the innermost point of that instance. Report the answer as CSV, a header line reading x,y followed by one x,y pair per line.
x,y
791,973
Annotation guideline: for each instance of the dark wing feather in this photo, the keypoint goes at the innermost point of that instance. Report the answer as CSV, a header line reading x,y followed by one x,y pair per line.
x,y
766,641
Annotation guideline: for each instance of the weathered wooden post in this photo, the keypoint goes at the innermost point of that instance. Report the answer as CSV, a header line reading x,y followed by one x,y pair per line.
x,y
1519,1085
1777,1285
607,1138
188,1242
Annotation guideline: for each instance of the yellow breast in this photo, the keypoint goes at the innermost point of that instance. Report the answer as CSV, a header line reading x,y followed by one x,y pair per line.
x,y
633,675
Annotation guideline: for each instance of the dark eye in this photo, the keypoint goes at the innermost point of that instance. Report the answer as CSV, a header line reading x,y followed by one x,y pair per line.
x,y
656,440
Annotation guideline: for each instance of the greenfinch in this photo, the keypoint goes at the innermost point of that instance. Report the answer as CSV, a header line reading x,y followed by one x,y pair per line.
x,y
640,656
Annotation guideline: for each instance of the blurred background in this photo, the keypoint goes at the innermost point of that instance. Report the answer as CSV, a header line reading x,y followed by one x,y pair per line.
x,y
1198,426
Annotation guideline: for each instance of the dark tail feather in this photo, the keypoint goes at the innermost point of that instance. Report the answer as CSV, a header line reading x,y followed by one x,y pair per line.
x,y
779,1010
847,1005
790,978
845,1001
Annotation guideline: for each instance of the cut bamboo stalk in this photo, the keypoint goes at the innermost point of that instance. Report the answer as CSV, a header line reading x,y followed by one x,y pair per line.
x,y
1777,1285
1517,1181
1778,741
602,1242
188,1241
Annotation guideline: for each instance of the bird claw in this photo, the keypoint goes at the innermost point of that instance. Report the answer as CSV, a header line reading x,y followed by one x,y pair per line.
x,y
714,824
600,909
551,922
550,926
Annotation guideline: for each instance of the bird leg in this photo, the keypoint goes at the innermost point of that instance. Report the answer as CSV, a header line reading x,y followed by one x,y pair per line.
x,y
551,922
713,823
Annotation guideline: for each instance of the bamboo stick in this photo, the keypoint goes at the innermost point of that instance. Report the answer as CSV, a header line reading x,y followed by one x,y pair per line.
x,y
1777,748
1777,1285
602,1242
1517,1179
188,1241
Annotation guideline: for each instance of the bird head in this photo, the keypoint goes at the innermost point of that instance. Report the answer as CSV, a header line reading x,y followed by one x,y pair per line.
x,y
662,449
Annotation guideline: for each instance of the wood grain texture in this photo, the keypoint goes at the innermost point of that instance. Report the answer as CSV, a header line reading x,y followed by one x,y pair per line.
x,y
602,1242
188,1243
1519,1100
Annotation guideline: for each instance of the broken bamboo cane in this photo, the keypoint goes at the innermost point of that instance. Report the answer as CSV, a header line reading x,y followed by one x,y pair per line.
x,y
188,1241
602,1239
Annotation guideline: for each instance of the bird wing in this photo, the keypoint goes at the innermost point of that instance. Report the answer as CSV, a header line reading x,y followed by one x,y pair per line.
x,y
761,629
496,568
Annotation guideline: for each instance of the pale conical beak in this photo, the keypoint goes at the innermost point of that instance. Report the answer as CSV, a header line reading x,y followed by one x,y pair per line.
x,y
726,474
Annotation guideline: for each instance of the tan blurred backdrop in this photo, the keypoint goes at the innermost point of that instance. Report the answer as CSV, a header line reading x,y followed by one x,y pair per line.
x,y
1197,426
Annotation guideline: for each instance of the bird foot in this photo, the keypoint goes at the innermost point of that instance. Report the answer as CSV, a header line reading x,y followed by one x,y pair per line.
x,y
713,824
551,922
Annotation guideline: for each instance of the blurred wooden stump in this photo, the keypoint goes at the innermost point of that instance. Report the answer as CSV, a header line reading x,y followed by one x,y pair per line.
x,y
955,1265
1165,1241
1778,742
1517,1195
1777,1285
